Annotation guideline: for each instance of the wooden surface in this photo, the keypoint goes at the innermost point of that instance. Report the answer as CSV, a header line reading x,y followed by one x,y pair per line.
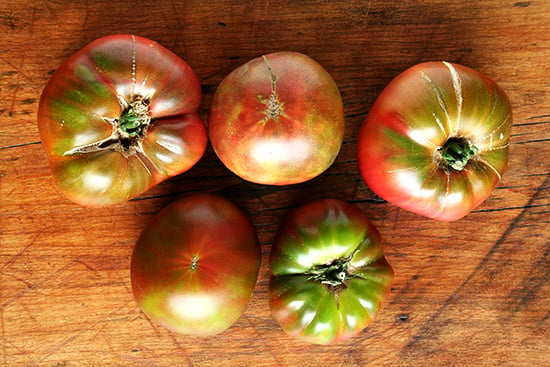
x,y
469,293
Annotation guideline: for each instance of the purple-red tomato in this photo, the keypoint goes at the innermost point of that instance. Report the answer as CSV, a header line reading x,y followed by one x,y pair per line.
x,y
436,140
329,276
118,117
277,120
194,267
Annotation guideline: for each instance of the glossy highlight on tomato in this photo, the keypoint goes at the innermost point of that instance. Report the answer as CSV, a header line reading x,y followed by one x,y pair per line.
x,y
277,120
436,140
118,117
195,265
329,276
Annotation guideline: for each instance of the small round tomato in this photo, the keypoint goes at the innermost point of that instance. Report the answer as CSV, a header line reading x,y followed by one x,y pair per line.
x,y
435,142
277,119
329,276
194,267
118,117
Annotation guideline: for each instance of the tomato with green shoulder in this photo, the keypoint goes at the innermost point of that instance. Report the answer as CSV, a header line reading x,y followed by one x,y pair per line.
x,y
329,275
436,140
118,117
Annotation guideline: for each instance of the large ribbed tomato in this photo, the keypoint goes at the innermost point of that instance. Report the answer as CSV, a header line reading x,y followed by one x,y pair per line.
x,y
118,117
278,119
436,140
195,265
329,276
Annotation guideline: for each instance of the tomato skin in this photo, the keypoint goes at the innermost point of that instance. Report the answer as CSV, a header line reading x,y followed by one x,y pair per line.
x,y
100,153
413,121
316,308
277,120
195,265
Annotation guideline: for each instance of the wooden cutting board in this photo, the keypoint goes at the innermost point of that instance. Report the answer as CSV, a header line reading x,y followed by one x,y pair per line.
x,y
468,293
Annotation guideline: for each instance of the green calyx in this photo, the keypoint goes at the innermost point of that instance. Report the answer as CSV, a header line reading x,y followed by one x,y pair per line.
x,y
336,274
134,119
457,152
128,130
131,123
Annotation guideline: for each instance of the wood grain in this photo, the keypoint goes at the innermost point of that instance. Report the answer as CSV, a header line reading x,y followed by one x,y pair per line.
x,y
469,293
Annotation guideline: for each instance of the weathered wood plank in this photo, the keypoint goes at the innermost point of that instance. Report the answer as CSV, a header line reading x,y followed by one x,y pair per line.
x,y
473,292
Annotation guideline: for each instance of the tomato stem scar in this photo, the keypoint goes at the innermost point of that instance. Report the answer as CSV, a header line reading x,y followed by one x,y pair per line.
x,y
456,153
334,275
135,118
127,131
274,106
194,262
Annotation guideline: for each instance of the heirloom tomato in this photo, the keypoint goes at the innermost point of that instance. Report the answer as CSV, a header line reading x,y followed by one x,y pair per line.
x,y
329,276
435,142
277,120
194,267
118,117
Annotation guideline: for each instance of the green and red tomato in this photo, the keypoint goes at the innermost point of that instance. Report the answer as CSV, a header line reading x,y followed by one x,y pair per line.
x,y
329,276
118,117
195,265
436,140
277,120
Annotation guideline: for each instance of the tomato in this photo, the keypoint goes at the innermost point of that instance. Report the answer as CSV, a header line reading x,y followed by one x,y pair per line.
x,y
277,120
329,276
435,142
194,267
118,117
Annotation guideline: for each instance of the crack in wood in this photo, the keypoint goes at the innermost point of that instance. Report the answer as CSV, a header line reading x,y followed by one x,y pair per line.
x,y
20,145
